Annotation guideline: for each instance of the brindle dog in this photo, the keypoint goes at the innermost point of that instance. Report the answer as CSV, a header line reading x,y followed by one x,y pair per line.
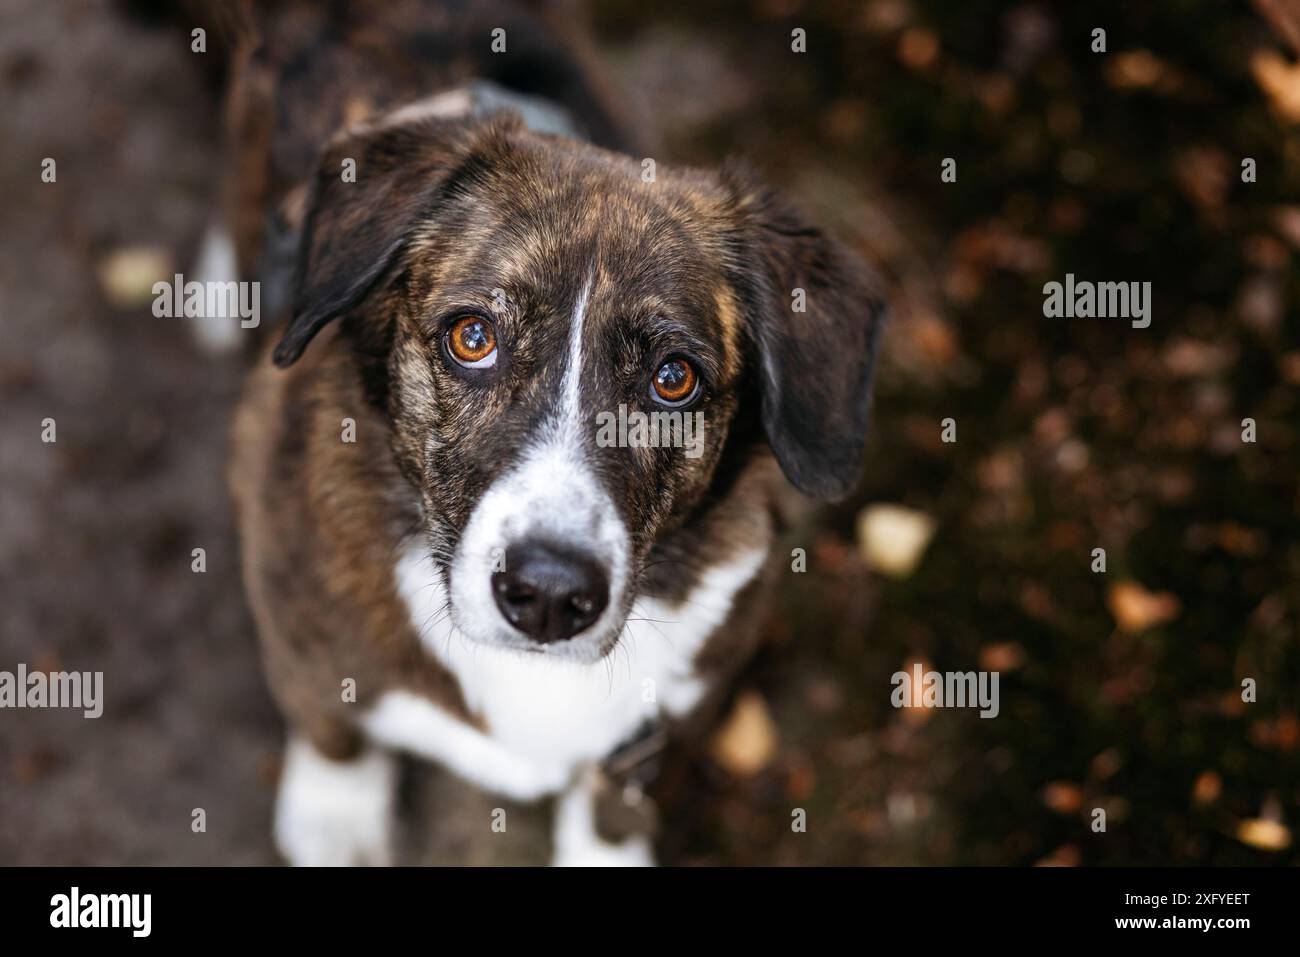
x,y
426,515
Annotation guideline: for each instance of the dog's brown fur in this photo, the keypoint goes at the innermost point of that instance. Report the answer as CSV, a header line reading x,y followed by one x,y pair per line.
x,y
300,70
443,213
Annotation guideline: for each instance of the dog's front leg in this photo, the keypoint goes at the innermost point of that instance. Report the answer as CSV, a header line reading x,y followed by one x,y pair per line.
x,y
335,813
577,839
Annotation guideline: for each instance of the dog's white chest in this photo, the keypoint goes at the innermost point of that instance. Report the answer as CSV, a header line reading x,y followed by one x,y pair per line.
x,y
547,716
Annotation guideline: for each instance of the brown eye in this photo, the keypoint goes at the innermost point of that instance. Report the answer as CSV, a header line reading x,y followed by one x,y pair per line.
x,y
472,342
675,382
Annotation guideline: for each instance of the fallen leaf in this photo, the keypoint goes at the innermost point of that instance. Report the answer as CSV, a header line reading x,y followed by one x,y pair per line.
x,y
1207,788
1063,797
1240,540
127,275
935,339
1188,357
1002,656
1105,764
1136,609
746,742
893,538
1282,733
1264,834
1280,80
1230,703
918,48
1134,70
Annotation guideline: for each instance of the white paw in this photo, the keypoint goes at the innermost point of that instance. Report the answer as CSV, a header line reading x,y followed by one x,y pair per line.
x,y
577,843
410,722
334,813
634,852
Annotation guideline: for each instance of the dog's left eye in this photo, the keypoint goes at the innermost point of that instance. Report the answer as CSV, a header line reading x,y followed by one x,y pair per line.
x,y
472,342
675,383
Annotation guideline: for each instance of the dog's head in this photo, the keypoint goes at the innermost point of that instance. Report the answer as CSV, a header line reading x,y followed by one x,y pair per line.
x,y
567,342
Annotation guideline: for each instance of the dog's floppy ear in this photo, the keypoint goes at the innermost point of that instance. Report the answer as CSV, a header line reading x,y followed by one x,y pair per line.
x,y
815,364
355,227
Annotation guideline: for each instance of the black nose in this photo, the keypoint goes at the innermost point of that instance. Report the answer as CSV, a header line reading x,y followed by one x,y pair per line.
x,y
549,593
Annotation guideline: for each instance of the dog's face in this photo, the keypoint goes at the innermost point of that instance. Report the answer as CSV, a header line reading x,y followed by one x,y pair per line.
x,y
567,348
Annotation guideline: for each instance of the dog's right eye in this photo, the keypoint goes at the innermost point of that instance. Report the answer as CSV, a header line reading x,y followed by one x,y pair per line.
x,y
472,342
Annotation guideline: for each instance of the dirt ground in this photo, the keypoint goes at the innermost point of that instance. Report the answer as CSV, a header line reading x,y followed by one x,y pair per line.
x,y
1121,690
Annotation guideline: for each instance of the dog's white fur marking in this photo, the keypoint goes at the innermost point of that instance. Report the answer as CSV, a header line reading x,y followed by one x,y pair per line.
x,y
547,715
334,813
577,843
572,414
413,723
217,263
551,494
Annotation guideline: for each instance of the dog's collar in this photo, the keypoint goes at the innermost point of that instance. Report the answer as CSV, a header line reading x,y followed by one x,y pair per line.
x,y
635,761
623,809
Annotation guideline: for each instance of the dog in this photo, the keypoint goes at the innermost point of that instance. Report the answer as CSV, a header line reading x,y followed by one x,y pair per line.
x,y
440,557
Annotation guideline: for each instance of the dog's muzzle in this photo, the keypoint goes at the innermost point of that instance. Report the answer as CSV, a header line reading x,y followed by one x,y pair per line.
x,y
544,561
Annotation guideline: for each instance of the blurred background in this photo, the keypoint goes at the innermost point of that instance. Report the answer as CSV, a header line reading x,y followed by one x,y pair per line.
x,y
1119,691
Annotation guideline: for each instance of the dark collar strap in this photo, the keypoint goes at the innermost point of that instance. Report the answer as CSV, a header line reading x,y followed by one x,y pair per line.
x,y
623,809
636,760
